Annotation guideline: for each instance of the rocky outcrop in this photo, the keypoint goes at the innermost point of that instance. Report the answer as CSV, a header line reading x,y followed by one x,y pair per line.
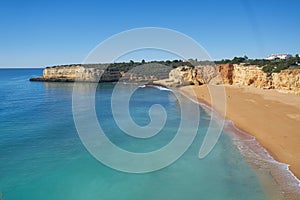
x,y
251,75
233,74
287,80
226,73
134,77
100,73
185,75
71,73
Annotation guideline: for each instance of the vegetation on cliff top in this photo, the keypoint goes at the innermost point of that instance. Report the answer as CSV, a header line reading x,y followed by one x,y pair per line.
x,y
157,68
162,67
268,66
125,66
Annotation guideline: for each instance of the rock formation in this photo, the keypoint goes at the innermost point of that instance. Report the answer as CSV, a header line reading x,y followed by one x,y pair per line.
x,y
71,73
234,74
185,75
287,80
100,73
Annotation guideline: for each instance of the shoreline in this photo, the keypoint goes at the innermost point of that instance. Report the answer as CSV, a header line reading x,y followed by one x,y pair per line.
x,y
245,121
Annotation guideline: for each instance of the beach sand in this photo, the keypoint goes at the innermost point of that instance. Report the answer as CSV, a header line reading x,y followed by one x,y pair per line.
x,y
270,116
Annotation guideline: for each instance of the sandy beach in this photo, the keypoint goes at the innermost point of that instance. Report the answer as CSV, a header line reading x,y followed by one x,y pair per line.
x,y
270,116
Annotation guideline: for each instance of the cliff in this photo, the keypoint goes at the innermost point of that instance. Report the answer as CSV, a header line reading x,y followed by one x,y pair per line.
x,y
101,73
70,73
250,75
285,81
234,74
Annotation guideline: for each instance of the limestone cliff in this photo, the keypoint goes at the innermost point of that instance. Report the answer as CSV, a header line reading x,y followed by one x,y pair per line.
x,y
250,75
234,74
71,73
185,75
287,80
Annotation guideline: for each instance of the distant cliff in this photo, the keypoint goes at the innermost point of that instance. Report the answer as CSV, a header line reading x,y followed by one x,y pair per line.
x,y
103,73
71,73
233,74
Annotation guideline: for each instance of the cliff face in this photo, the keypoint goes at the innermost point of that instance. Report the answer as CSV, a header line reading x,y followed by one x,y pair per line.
x,y
133,77
77,73
68,72
251,75
71,73
286,80
185,75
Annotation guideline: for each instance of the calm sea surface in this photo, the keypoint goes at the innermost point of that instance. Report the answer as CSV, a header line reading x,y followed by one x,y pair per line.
x,y
42,157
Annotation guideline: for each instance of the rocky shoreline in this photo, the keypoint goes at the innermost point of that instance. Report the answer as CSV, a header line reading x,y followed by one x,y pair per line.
x,y
287,81
81,73
42,79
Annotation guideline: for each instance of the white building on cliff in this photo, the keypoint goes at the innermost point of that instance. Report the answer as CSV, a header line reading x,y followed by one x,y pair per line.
x,y
279,56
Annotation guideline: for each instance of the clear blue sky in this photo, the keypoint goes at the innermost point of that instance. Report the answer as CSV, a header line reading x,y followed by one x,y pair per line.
x,y
44,33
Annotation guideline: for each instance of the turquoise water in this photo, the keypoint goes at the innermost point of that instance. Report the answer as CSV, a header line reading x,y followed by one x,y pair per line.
x,y
42,157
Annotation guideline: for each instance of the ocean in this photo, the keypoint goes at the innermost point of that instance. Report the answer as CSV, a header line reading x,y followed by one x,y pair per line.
x,y
42,156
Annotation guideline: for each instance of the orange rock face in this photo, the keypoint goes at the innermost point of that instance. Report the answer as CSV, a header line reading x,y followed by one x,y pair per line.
x,y
234,74
287,80
226,73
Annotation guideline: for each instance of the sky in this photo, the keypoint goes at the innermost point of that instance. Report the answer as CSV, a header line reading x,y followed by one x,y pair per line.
x,y
38,33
